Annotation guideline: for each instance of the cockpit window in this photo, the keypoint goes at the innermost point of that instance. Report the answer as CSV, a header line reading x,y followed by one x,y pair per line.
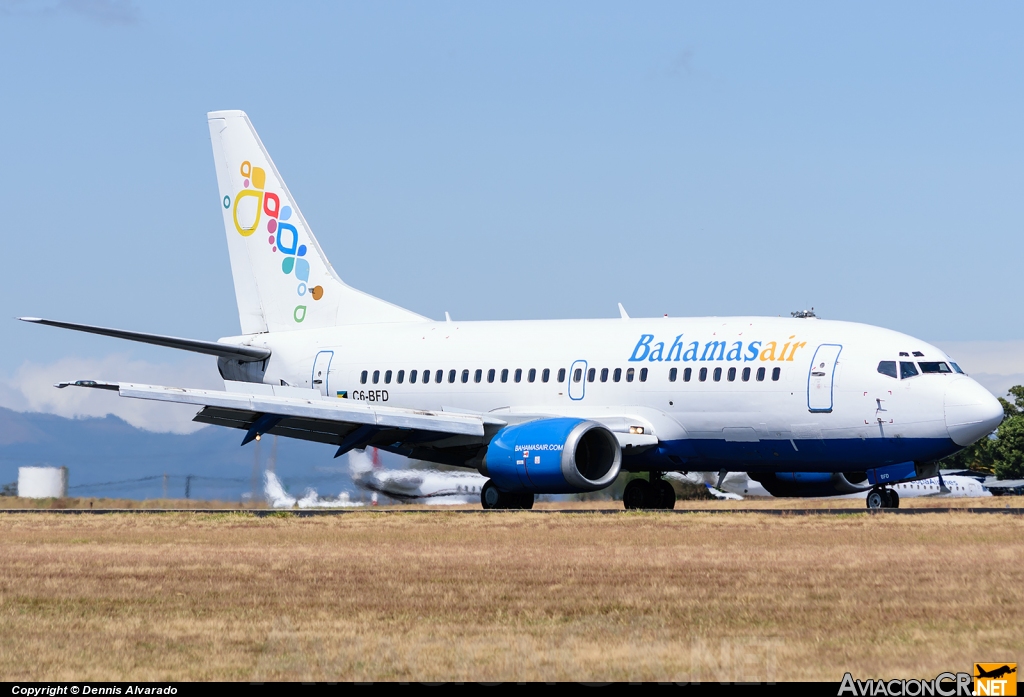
x,y
957,368
907,370
887,368
934,367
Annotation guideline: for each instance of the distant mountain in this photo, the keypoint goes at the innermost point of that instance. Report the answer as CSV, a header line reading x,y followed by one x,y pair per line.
x,y
111,458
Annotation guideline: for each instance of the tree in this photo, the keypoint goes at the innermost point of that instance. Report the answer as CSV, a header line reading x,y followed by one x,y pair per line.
x,y
1009,448
979,457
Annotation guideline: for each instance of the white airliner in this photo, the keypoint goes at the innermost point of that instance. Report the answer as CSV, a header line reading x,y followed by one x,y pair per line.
x,y
737,485
430,486
806,406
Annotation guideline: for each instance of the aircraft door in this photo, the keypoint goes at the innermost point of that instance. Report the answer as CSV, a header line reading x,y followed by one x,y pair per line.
x,y
321,371
578,380
820,377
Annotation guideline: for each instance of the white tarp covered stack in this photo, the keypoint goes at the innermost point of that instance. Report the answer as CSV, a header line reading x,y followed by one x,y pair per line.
x,y
42,482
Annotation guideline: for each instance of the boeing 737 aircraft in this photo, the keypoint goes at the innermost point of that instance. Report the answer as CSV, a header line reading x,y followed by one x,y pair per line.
x,y
806,406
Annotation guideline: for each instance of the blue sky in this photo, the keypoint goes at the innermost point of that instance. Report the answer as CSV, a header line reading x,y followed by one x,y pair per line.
x,y
516,160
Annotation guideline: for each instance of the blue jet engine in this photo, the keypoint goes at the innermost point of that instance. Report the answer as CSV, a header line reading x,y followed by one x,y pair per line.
x,y
553,456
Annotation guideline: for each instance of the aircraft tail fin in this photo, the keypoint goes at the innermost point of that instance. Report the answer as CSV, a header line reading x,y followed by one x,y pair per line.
x,y
282,278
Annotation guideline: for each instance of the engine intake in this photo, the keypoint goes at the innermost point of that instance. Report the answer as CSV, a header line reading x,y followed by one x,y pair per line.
x,y
553,456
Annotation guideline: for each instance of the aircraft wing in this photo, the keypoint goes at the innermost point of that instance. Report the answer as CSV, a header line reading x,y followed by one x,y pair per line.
x,y
308,415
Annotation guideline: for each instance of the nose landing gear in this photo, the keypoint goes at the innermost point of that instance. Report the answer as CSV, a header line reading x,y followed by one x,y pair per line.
x,y
882,497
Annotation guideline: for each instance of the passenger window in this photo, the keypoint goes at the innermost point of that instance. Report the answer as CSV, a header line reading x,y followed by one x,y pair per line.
x,y
629,375
718,374
746,375
687,372
478,375
732,374
532,375
401,376
519,374
376,377
412,377
465,376
591,374
561,375
387,377
490,375
362,377
936,367
577,375
504,374
604,375
439,376
907,370
703,375
643,375
760,374
955,367
617,375
545,375
888,368
451,375
776,372
673,373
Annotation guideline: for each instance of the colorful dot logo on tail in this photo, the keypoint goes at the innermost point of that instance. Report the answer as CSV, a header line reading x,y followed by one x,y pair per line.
x,y
253,204
250,202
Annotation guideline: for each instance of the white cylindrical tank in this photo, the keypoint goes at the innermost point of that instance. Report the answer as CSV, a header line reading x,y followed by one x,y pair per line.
x,y
43,482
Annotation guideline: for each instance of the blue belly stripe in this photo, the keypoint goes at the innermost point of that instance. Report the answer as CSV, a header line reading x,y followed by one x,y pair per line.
x,y
813,455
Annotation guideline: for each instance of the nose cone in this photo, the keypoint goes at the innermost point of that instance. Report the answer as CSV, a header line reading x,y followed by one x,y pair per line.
x,y
971,411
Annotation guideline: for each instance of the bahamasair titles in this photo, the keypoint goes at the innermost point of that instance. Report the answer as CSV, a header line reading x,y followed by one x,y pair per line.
x,y
807,407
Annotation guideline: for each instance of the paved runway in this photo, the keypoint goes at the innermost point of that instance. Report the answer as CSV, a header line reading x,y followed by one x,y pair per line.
x,y
310,512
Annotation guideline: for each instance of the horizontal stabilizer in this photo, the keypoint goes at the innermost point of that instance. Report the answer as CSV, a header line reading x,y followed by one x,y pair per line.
x,y
212,348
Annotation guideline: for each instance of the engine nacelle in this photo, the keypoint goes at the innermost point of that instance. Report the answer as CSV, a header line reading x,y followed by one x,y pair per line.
x,y
553,456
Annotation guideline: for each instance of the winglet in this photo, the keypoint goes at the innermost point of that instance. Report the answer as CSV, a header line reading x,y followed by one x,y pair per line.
x,y
114,386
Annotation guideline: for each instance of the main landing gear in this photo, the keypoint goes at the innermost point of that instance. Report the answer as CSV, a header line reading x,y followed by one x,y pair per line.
x,y
656,494
881,497
493,498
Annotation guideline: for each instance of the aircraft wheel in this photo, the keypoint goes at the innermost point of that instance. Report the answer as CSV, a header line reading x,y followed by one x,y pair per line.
x,y
637,495
491,497
875,499
894,499
666,495
524,501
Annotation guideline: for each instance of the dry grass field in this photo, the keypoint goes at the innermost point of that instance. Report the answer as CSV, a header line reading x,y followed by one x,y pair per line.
x,y
854,504
507,596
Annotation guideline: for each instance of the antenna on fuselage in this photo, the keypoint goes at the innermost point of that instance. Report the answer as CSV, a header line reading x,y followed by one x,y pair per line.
x,y
622,312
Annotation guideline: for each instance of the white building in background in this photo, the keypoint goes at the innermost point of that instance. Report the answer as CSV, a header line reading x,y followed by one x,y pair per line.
x,y
42,482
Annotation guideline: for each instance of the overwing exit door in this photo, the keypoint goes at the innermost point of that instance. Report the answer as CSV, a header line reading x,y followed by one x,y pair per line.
x,y
321,371
820,378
